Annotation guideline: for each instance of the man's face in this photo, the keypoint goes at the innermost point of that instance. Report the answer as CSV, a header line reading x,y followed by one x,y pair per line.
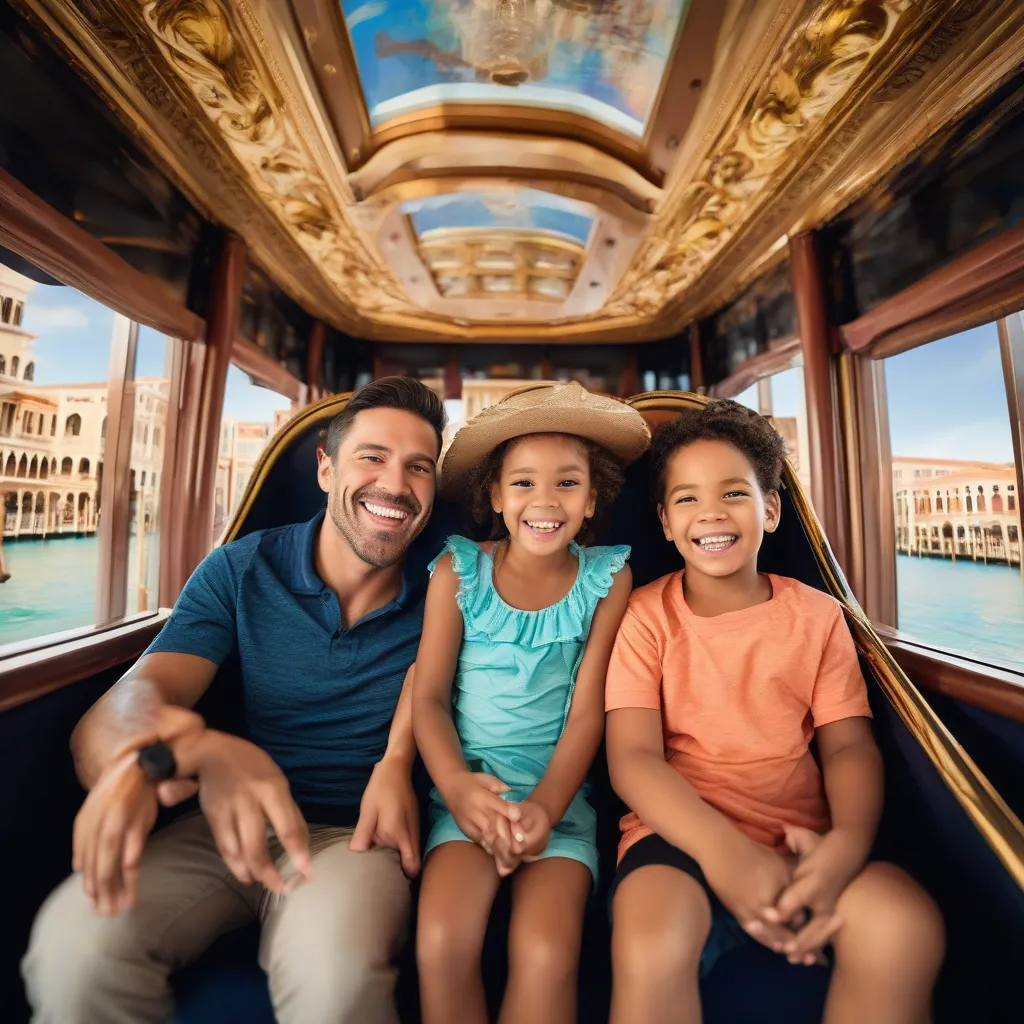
x,y
380,484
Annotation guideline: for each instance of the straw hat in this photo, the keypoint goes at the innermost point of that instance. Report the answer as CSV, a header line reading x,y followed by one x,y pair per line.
x,y
543,409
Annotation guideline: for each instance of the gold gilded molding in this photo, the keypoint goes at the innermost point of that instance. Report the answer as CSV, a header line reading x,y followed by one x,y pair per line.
x,y
203,42
819,67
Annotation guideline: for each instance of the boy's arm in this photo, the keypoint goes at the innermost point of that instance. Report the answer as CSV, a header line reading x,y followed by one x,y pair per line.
x,y
852,770
741,872
471,797
575,750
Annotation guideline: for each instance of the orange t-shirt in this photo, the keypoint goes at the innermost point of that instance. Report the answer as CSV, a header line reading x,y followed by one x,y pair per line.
x,y
740,696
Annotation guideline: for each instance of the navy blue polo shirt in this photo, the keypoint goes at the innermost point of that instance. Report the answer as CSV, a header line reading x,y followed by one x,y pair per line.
x,y
319,698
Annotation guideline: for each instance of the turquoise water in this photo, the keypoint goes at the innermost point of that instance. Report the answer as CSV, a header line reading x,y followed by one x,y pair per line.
x,y
969,607
53,584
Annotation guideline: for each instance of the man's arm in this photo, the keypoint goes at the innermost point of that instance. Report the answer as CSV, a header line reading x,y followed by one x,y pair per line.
x,y
133,712
389,814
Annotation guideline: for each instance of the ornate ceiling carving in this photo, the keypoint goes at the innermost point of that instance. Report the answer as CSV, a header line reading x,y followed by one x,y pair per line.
x,y
790,127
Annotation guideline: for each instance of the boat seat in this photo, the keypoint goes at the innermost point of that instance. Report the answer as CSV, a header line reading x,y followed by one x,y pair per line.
x,y
925,804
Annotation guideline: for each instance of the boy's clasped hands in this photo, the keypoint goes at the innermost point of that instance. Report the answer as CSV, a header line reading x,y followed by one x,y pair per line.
x,y
786,899
510,832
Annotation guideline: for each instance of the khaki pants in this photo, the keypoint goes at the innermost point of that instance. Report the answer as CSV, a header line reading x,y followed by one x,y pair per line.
x,y
328,947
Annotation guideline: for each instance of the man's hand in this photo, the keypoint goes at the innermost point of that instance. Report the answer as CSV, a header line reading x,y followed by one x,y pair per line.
x,y
389,815
240,790
826,867
747,877
473,799
119,812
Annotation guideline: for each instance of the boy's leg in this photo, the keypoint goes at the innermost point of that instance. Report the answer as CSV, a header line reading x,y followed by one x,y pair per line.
x,y
329,947
661,918
888,950
81,968
549,898
460,882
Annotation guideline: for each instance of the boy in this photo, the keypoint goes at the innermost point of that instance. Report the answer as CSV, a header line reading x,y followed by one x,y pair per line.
x,y
719,680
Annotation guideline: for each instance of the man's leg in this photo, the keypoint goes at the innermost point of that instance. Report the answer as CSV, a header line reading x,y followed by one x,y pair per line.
x,y
330,946
81,968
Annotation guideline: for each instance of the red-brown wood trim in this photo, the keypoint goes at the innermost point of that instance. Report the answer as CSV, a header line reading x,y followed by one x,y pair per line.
x,y
975,288
315,362
262,369
56,245
70,657
819,391
696,362
221,332
992,689
783,355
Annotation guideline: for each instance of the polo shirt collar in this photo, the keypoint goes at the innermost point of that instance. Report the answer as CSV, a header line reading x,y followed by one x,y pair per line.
x,y
300,567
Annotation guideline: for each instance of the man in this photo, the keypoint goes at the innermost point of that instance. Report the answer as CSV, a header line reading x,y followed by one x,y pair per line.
x,y
324,618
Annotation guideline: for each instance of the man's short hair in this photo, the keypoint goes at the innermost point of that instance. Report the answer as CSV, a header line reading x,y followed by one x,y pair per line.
x,y
406,393
721,420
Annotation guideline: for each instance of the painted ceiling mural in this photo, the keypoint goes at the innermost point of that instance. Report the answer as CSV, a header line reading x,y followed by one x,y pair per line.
x,y
602,60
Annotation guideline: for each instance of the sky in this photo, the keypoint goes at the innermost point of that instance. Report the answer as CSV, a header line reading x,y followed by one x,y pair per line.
x,y
73,347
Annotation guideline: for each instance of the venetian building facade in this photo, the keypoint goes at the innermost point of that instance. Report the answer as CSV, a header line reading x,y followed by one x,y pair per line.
x,y
52,437
947,508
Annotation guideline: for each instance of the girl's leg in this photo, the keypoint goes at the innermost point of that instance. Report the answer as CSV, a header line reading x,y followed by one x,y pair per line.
x,y
888,951
661,918
458,889
548,901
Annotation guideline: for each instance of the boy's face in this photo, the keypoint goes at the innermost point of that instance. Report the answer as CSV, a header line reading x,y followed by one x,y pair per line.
x,y
714,510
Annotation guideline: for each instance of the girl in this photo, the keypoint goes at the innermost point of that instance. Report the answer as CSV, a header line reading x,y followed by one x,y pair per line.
x,y
507,707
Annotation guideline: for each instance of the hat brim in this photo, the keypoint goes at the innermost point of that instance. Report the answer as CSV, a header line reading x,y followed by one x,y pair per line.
x,y
615,426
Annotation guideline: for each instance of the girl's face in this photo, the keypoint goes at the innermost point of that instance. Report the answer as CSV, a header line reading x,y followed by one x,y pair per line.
x,y
544,491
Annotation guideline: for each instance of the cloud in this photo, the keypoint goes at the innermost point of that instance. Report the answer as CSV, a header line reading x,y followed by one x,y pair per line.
x,y
55,318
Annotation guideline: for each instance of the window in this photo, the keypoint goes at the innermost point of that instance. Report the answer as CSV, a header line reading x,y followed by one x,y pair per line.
x,y
62,340
780,397
959,582
247,425
3,367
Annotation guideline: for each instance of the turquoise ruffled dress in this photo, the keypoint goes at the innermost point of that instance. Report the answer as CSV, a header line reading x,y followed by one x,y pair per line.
x,y
514,683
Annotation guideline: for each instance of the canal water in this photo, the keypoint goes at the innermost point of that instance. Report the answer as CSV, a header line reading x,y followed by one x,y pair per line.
x,y
53,584
969,606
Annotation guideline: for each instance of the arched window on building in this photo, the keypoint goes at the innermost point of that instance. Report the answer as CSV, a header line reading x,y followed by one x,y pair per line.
x,y
15,363
12,465
23,467
83,467
44,469
66,466
3,367
73,425
30,371
938,501
6,309
19,308
33,469
970,502
103,429
53,426
1011,499
26,427
997,499
981,498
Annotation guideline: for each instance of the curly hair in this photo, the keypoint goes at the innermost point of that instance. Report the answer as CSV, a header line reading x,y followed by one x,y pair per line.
x,y
606,477
721,420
